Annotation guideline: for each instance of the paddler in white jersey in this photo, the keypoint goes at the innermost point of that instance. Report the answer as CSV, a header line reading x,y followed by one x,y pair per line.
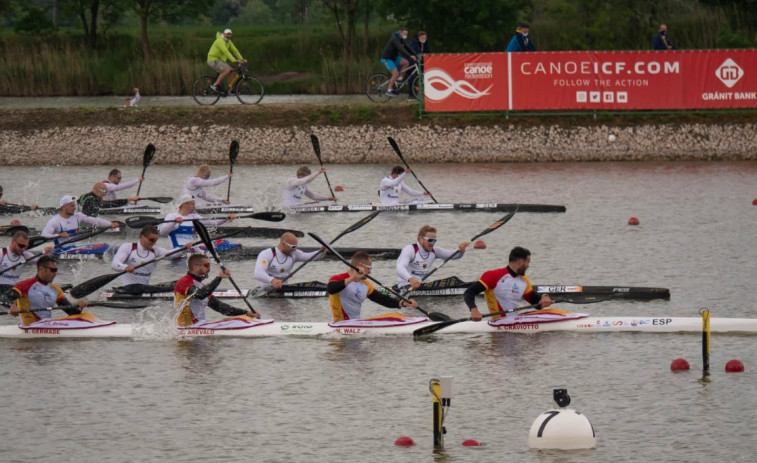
x,y
182,233
416,259
195,186
274,264
297,187
40,292
503,288
68,221
15,255
130,255
347,291
390,187
113,184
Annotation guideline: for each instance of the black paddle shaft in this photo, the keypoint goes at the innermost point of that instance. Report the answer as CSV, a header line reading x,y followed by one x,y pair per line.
x,y
317,150
399,153
233,153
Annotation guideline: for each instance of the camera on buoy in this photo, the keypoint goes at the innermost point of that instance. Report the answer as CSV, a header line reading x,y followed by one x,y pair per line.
x,y
561,428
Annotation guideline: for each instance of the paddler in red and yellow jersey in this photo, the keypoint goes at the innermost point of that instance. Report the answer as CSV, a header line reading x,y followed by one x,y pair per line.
x,y
35,294
193,311
503,288
347,291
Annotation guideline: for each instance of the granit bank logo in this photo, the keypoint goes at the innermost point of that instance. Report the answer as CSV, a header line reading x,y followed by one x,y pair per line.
x,y
729,73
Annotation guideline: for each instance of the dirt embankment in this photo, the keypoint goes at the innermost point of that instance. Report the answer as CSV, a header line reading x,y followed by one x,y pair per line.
x,y
357,134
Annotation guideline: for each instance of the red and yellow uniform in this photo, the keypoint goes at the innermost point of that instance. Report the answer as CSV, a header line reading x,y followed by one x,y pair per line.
x,y
34,294
504,288
194,311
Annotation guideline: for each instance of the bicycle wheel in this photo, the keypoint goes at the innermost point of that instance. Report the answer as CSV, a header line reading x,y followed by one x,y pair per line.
x,y
249,90
375,88
415,87
202,93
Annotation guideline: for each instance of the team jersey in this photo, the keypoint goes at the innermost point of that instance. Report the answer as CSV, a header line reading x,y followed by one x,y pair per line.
x,y
183,233
194,311
34,294
195,186
135,254
505,289
8,260
296,188
58,224
346,300
273,263
111,188
389,190
415,262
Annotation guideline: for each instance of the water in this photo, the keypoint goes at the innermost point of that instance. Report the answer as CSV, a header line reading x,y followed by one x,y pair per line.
x,y
324,400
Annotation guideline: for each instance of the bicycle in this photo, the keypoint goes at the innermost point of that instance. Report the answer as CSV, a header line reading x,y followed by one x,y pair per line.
x,y
377,84
247,88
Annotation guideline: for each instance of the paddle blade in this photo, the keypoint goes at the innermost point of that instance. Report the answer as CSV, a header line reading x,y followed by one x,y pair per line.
x,y
426,330
92,285
120,305
316,147
233,152
142,221
158,199
270,216
206,240
396,148
35,241
149,154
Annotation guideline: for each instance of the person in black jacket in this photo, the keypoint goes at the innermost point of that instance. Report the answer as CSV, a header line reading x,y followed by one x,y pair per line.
x,y
419,45
396,55
92,202
661,40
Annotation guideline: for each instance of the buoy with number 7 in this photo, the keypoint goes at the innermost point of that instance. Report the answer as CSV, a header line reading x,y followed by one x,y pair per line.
x,y
562,428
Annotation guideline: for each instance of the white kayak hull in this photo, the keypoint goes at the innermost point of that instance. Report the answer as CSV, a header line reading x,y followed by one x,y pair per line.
x,y
583,325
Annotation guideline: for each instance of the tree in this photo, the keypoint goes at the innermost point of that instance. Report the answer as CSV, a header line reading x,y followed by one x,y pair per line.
x,y
91,14
345,13
167,10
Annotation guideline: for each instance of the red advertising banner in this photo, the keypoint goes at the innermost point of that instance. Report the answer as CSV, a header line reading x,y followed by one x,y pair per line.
x,y
702,79
465,82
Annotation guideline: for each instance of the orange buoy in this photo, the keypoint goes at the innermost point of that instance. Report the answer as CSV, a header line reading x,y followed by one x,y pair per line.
x,y
633,221
479,245
404,441
679,364
338,188
471,443
734,366
754,202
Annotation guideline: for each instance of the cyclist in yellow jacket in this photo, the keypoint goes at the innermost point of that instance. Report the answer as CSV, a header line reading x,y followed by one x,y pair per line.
x,y
220,54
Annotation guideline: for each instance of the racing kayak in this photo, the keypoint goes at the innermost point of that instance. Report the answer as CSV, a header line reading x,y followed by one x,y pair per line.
x,y
430,207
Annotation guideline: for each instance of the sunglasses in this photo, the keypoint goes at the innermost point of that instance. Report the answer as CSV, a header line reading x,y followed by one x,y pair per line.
x,y
22,246
293,246
152,240
367,267
52,269
430,240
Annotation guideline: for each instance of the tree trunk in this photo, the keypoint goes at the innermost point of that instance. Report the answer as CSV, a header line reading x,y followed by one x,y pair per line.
x,y
146,52
93,10
366,35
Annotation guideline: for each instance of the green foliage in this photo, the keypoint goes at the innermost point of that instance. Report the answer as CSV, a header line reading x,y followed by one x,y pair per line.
x,y
256,12
33,21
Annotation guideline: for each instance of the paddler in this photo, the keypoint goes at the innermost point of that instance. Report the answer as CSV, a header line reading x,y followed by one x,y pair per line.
x,y
391,186
68,221
113,184
195,186
503,288
3,203
297,187
416,259
130,255
193,311
181,233
15,255
92,202
40,292
347,291
273,265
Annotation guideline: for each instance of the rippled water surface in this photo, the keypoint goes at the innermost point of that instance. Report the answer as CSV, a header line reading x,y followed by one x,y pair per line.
x,y
326,400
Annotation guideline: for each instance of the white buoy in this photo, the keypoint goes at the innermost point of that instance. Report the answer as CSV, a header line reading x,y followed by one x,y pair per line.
x,y
562,428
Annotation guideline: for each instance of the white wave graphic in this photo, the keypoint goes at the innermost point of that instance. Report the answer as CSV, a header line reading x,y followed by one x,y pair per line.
x,y
447,86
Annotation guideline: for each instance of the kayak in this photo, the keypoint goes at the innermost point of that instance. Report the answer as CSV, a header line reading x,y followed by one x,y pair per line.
x,y
430,207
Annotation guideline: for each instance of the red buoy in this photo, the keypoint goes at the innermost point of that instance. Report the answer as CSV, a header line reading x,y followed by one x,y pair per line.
x,y
404,441
479,245
734,366
338,188
754,202
633,221
679,364
471,443
15,222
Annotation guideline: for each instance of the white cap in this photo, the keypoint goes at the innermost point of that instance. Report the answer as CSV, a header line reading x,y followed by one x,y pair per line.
x,y
65,200
185,199
227,31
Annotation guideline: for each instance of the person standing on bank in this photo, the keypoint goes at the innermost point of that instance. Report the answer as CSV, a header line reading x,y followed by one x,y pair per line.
x,y
661,40
419,45
503,288
521,41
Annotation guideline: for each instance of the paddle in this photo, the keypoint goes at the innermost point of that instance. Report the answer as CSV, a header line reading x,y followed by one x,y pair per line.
x,y
351,229
569,299
79,237
317,149
112,305
488,230
93,284
146,159
141,220
158,199
399,153
208,242
10,230
435,316
233,153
